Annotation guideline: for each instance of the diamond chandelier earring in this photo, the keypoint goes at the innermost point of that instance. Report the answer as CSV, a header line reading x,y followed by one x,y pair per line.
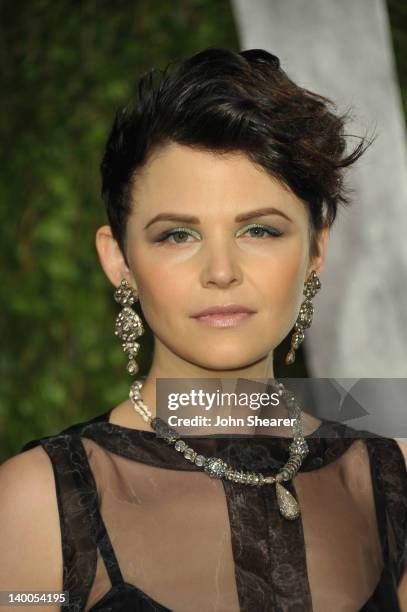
x,y
128,323
304,319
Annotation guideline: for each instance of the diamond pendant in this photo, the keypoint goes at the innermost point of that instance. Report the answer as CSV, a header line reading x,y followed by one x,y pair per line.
x,y
287,504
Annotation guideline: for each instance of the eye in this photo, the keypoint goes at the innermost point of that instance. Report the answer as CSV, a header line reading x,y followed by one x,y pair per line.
x,y
179,235
260,229
182,232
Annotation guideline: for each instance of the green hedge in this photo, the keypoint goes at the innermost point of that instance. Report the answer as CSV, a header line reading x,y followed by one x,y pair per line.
x,y
65,67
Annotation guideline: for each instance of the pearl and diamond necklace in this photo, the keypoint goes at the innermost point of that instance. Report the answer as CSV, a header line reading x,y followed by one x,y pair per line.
x,y
217,468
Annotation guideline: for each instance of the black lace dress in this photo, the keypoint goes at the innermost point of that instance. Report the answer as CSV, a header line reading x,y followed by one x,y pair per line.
x,y
143,529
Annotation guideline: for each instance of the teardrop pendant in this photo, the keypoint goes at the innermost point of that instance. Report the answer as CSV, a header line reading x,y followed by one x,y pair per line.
x,y
287,504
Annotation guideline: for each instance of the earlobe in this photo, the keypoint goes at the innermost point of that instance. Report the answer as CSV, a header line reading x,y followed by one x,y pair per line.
x,y
110,256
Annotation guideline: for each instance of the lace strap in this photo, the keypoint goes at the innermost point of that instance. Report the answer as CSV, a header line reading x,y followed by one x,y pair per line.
x,y
87,487
82,527
389,478
79,553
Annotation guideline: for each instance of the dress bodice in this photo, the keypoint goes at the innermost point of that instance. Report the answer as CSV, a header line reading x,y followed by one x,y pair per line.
x,y
143,529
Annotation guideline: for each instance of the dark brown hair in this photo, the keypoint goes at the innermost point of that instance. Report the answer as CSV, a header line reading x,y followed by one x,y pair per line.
x,y
224,101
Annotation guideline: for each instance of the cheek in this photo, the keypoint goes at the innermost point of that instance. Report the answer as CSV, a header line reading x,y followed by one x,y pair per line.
x,y
163,290
285,284
274,280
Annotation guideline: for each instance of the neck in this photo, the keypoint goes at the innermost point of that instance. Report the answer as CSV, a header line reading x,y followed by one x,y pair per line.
x,y
241,379
167,365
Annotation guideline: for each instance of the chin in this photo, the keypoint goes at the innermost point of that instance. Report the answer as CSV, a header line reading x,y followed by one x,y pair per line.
x,y
230,358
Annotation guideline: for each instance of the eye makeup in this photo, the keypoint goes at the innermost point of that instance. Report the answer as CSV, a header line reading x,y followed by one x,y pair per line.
x,y
271,232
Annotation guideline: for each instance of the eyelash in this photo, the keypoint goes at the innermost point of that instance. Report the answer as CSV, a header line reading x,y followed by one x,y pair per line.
x,y
183,230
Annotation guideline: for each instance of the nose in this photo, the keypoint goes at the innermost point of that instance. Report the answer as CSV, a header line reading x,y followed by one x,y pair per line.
x,y
221,266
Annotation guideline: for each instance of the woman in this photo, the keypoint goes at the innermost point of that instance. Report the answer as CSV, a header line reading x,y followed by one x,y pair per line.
x,y
221,184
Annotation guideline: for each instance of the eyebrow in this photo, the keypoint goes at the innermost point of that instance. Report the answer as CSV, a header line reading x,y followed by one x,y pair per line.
x,y
252,214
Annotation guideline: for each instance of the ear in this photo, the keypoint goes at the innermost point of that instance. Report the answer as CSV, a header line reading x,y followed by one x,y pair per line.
x,y
111,257
317,262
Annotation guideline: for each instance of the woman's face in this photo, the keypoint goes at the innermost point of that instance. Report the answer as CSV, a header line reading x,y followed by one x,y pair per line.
x,y
181,266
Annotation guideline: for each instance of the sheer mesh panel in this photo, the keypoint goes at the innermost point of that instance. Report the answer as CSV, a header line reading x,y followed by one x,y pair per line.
x,y
171,532
143,529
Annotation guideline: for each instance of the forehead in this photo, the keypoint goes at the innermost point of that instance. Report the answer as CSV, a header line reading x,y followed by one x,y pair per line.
x,y
185,178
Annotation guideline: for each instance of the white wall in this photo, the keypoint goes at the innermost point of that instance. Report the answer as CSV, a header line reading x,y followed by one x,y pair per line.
x,y
342,49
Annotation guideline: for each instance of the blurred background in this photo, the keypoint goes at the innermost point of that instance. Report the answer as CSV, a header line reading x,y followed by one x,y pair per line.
x,y
65,68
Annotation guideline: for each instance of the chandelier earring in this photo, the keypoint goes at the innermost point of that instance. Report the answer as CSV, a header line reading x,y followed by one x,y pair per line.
x,y
128,324
304,319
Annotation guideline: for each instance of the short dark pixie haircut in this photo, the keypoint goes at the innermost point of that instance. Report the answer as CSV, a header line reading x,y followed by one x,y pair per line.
x,y
223,101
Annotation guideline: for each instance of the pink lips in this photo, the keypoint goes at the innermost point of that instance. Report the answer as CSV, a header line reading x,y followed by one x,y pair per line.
x,y
223,316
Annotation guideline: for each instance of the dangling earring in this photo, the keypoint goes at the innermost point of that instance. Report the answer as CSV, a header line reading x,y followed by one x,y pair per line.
x,y
304,319
128,324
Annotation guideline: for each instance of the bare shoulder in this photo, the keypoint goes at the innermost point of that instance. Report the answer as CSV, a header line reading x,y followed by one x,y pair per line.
x,y
30,536
18,471
402,587
403,448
